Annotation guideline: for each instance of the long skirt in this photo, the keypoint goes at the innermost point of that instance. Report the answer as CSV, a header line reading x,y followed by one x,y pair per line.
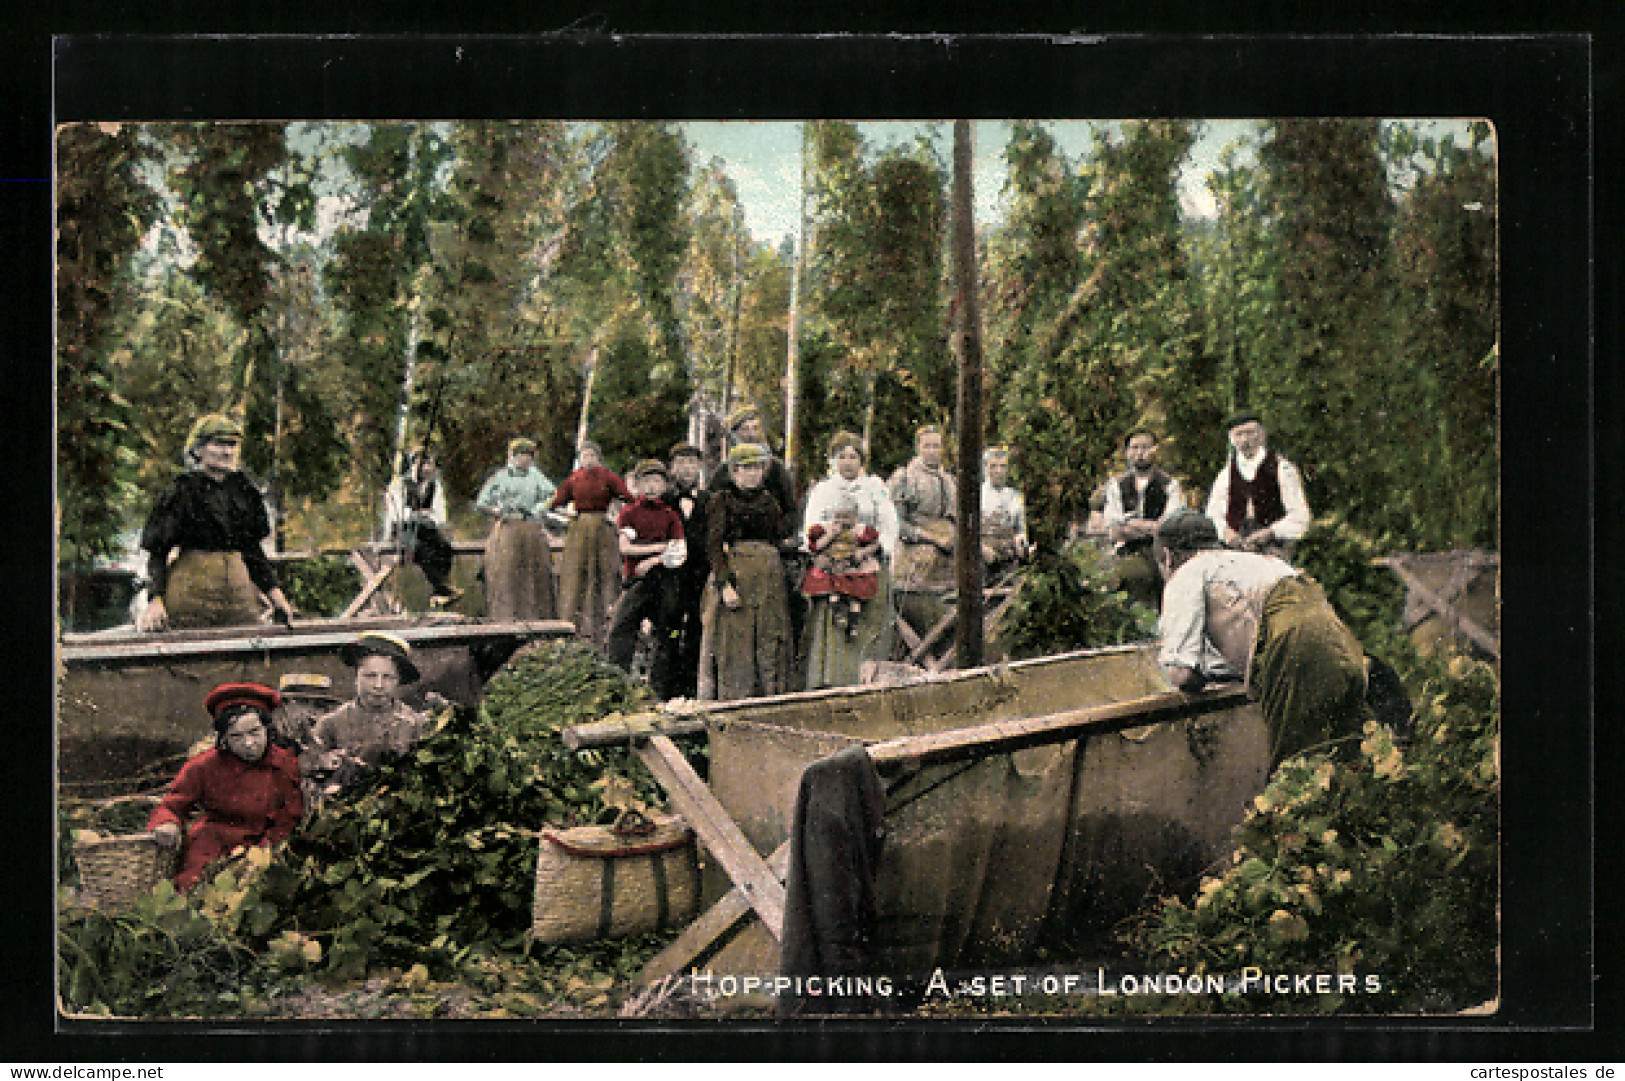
x,y
590,576
834,655
745,652
1308,670
210,589
518,572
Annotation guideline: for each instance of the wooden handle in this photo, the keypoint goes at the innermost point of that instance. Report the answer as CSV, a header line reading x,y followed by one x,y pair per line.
x,y
1003,736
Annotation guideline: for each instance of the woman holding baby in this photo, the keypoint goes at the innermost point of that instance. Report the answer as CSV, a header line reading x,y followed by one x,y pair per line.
x,y
851,529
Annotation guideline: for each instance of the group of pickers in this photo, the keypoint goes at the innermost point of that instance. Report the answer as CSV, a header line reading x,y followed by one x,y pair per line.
x,y
745,596
746,590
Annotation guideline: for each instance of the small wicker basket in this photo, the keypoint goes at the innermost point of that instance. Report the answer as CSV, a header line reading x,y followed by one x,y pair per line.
x,y
115,871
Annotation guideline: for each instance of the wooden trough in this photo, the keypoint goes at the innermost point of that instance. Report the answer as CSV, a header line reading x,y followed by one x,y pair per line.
x,y
126,700
1029,807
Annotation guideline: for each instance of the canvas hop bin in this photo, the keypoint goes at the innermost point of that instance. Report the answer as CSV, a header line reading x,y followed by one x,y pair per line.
x,y
1028,807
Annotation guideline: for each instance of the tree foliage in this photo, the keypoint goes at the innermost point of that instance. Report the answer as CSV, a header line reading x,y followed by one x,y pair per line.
x,y
874,293
233,181
1328,389
1446,324
103,210
1095,326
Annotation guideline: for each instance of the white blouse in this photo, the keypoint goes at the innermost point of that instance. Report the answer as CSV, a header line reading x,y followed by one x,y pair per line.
x,y
868,493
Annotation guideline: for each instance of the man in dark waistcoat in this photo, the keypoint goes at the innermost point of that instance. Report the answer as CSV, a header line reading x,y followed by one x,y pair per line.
x,y
1135,502
1257,504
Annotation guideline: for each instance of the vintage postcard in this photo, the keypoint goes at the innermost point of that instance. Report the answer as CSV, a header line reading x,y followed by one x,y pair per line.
x,y
541,563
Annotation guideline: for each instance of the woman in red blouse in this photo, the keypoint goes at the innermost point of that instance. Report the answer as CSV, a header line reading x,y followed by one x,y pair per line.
x,y
246,787
590,571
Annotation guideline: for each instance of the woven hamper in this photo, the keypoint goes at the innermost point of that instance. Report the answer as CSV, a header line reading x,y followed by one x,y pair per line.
x,y
596,882
114,872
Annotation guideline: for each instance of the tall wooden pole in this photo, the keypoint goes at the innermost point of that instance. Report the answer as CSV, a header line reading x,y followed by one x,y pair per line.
x,y
792,379
586,405
968,345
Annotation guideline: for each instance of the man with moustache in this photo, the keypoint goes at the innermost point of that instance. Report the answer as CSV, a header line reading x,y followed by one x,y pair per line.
x,y
1135,502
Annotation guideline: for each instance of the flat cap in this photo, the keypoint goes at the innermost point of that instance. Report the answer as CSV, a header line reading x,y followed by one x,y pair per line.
x,y
212,427
1189,530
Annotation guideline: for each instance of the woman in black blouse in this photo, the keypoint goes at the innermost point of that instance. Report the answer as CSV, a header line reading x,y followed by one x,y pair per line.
x,y
745,647
215,517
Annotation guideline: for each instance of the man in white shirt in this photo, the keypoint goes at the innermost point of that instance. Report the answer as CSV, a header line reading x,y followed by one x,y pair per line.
x,y
1235,615
1135,503
1004,512
1257,504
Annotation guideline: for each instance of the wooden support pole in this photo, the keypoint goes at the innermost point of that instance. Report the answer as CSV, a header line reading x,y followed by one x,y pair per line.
x,y
715,829
968,342
1004,736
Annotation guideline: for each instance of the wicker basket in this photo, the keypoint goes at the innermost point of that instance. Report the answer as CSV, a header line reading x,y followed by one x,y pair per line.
x,y
115,871
596,882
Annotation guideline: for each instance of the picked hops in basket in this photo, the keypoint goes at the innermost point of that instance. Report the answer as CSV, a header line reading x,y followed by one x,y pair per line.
x,y
594,882
114,872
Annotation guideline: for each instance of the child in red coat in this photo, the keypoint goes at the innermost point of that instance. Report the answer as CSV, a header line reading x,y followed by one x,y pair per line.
x,y
246,787
845,566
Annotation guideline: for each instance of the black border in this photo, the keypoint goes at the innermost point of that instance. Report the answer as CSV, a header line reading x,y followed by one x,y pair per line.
x,y
1538,92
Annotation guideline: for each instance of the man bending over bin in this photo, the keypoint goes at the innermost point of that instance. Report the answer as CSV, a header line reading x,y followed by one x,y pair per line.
x,y
1236,615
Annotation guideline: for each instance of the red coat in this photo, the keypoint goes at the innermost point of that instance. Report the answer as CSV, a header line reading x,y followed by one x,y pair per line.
x,y
243,803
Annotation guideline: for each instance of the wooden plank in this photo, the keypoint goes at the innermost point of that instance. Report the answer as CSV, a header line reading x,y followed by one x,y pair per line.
x,y
962,743
715,829
711,930
1462,623
906,632
624,730
302,637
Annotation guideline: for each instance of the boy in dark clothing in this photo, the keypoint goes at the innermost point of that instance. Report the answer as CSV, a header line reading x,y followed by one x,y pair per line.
x,y
652,543
688,497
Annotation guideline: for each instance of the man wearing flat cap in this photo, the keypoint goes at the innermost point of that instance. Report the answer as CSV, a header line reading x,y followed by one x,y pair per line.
x,y
1234,615
653,548
688,498
1257,503
375,723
